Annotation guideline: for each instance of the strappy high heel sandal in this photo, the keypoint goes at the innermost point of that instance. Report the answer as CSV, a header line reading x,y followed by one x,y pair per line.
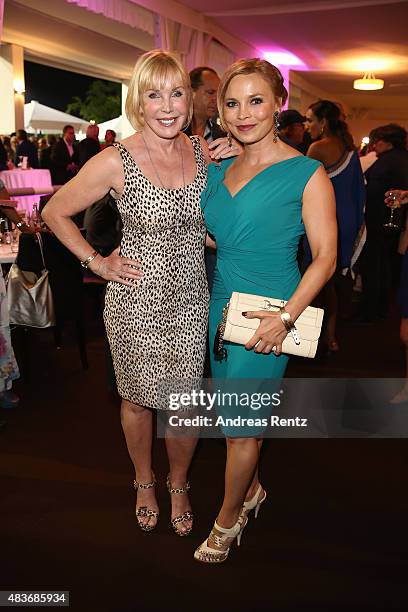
x,y
144,511
221,540
254,503
186,516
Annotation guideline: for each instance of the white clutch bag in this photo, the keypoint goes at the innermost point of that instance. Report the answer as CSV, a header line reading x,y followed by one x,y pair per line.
x,y
236,328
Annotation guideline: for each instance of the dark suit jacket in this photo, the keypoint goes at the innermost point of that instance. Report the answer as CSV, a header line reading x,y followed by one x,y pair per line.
x,y
390,171
59,160
27,149
216,130
87,148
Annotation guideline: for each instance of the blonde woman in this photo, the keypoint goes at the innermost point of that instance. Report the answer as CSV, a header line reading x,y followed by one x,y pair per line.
x,y
258,206
157,298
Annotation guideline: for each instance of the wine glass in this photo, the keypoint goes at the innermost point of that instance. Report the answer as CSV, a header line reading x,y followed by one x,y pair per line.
x,y
391,224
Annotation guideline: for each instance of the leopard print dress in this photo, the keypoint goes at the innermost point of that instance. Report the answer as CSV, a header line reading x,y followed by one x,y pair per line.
x,y
157,327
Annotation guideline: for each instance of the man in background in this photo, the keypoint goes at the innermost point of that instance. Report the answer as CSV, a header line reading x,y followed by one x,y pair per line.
x,y
63,157
89,146
204,83
25,148
292,130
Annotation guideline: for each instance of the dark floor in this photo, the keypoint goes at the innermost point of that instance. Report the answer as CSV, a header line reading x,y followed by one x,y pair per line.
x,y
330,537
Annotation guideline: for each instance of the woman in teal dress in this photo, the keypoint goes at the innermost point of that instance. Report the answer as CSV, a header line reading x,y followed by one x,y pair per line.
x,y
257,207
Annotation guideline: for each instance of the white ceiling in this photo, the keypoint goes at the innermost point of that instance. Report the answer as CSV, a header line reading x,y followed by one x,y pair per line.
x,y
335,39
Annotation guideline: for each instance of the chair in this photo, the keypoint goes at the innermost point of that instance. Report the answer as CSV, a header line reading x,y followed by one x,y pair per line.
x,y
65,277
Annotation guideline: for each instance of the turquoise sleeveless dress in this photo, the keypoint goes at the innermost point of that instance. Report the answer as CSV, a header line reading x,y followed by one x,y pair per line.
x,y
257,234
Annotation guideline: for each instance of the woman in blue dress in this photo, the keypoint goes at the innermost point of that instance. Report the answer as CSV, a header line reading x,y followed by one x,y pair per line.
x,y
257,207
333,146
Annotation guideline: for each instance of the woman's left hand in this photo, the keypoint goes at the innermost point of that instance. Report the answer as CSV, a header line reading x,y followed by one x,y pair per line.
x,y
225,147
270,333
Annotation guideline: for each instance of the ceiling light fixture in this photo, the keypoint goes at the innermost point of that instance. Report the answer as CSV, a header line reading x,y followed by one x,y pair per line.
x,y
368,82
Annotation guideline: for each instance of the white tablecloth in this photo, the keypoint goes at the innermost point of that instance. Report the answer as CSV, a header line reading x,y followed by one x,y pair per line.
x,y
38,179
6,254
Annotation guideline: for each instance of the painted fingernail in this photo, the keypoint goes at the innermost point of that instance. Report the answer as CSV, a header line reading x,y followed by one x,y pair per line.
x,y
244,314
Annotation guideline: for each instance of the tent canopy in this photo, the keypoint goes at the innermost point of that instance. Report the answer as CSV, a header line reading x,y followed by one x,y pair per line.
x,y
40,117
113,124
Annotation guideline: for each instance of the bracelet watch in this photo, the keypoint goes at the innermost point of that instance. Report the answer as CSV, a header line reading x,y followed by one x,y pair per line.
x,y
289,325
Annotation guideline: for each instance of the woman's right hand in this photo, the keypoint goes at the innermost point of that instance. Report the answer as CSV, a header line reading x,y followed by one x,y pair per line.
x,y
116,268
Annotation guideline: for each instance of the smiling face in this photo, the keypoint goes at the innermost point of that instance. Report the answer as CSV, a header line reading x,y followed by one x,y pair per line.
x,y
313,125
249,106
165,110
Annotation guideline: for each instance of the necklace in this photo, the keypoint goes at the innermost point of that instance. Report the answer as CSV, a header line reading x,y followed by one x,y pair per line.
x,y
155,169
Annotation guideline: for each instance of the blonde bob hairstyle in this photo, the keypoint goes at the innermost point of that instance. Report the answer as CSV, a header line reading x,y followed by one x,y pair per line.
x,y
267,71
155,70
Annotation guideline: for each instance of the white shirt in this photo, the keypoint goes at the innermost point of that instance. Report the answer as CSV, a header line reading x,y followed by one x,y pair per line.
x,y
69,147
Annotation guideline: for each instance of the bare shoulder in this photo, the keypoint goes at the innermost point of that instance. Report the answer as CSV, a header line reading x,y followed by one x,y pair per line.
x,y
318,184
316,150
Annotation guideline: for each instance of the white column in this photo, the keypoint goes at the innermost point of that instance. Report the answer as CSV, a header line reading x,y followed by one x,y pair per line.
x,y
11,77
127,129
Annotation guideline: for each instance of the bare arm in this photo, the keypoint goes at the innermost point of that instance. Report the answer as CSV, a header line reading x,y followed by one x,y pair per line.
x,y
99,175
319,217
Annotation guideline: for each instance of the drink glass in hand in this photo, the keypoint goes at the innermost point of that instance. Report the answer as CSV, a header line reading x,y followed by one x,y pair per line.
x,y
393,204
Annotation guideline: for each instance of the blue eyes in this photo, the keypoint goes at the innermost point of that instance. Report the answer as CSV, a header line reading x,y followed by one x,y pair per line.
x,y
232,103
155,94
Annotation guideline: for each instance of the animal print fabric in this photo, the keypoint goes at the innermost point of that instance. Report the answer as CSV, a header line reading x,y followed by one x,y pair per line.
x,y
157,327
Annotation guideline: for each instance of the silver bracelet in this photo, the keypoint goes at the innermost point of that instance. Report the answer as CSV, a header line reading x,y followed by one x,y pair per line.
x,y
85,263
289,325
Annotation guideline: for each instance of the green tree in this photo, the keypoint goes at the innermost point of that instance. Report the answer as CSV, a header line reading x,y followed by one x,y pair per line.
x,y
102,102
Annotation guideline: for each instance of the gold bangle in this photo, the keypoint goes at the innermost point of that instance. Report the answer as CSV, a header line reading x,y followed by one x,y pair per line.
x,y
85,263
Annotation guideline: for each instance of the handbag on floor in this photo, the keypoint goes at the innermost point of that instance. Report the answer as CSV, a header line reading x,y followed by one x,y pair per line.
x,y
236,328
29,295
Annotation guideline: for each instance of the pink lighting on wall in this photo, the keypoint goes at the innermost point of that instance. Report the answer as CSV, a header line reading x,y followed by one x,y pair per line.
x,y
284,60
279,57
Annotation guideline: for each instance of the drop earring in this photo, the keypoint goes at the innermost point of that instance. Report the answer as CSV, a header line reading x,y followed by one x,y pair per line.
x,y
275,126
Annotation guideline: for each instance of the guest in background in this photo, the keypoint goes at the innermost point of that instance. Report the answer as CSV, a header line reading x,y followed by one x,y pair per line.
x,y
64,157
89,146
110,138
334,147
10,151
3,156
402,396
25,148
204,83
45,153
292,130
367,154
380,260
393,199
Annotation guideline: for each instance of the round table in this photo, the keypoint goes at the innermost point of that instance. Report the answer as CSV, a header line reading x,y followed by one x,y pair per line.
x,y
39,180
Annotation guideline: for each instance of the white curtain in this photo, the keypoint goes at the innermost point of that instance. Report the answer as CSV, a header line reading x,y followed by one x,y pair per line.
x,y
192,45
119,10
